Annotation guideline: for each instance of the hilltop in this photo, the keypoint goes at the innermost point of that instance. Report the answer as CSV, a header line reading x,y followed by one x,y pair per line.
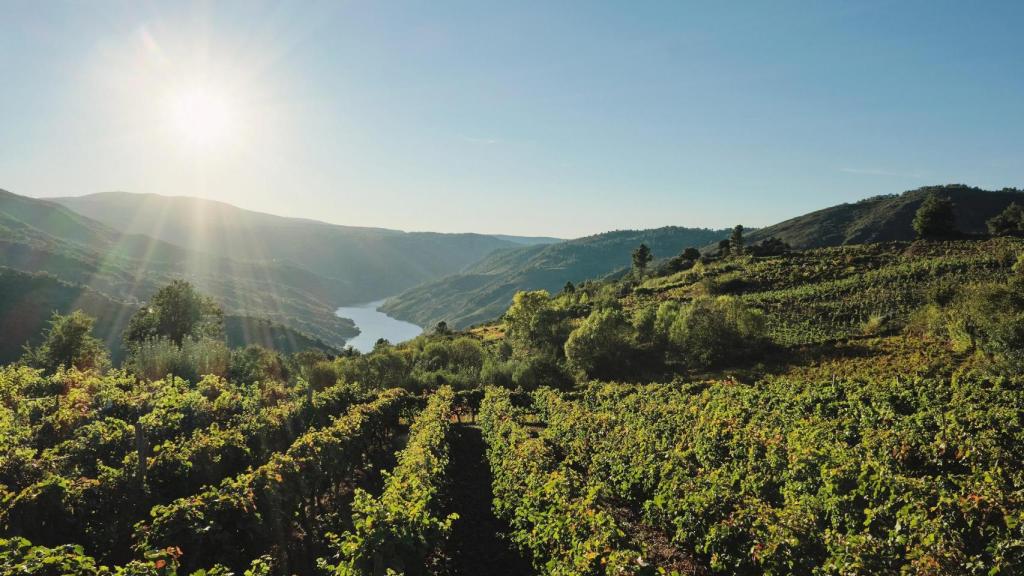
x,y
887,218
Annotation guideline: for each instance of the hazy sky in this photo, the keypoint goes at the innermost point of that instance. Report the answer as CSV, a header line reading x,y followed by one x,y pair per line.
x,y
550,117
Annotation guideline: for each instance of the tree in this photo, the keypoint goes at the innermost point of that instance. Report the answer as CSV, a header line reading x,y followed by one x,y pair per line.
x,y
736,240
770,247
723,247
1009,222
641,258
175,312
691,254
254,363
442,329
534,326
601,346
935,218
569,288
68,343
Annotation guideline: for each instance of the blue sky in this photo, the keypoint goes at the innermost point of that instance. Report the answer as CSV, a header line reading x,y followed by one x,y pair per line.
x,y
556,118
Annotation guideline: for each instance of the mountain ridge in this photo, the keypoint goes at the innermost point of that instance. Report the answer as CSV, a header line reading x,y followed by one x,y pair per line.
x,y
887,217
366,264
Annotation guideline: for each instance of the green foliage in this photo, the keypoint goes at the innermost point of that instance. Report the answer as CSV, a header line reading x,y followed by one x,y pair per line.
x,y
321,375
484,290
989,318
770,246
641,258
68,343
70,447
253,512
174,313
601,346
535,326
255,363
886,476
736,242
155,358
710,331
1009,222
19,556
552,509
397,531
935,218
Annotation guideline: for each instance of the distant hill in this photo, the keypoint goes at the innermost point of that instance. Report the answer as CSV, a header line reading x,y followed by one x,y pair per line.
x,y
37,236
361,264
528,240
27,301
483,291
886,218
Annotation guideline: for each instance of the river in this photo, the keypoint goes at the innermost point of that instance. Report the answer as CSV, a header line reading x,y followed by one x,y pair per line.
x,y
374,325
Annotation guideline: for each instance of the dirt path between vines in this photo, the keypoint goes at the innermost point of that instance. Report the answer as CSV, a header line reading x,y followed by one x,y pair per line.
x,y
476,547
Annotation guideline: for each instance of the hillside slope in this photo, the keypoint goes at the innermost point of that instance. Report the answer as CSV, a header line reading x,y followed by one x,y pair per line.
x,y
483,291
28,301
38,236
886,218
364,264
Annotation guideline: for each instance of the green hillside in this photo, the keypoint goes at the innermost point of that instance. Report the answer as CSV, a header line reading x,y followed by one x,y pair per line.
x,y
887,218
361,264
27,301
483,291
849,409
42,237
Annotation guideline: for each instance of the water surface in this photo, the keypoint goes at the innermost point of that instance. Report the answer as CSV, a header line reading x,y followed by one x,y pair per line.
x,y
374,324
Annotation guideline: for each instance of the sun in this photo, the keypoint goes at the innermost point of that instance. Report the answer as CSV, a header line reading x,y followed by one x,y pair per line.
x,y
201,117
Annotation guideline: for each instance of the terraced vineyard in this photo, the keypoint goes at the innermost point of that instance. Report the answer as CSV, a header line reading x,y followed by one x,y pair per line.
x,y
851,410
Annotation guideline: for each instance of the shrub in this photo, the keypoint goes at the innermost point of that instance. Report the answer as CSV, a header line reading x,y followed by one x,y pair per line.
x,y
153,359
1010,222
67,343
874,325
989,318
601,347
322,375
714,330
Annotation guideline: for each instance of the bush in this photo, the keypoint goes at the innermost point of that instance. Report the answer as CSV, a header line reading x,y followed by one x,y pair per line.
x,y
255,363
67,343
153,359
322,375
601,347
989,318
711,331
874,325
537,371
1009,222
